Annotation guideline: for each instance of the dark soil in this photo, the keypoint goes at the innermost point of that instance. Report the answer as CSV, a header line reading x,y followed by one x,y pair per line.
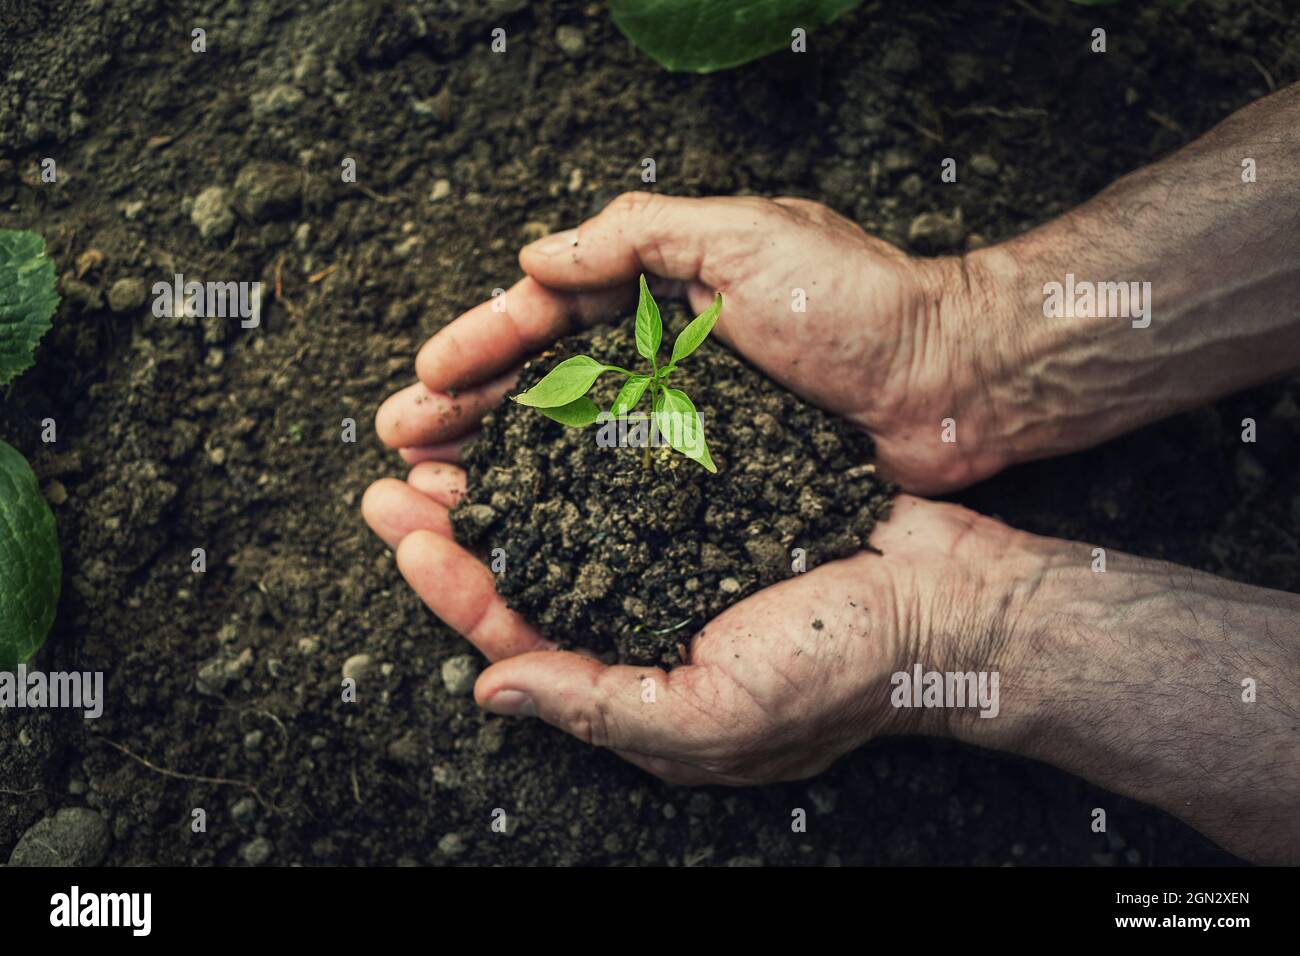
x,y
601,551
182,434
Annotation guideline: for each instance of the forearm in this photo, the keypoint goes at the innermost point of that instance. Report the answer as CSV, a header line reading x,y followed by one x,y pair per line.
x,y
1164,684
1222,259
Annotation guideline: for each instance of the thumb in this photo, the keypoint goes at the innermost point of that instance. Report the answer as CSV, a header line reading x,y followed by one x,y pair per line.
x,y
625,708
667,236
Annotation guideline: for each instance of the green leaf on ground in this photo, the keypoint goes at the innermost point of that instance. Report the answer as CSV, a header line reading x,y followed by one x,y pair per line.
x,y
27,299
706,35
30,566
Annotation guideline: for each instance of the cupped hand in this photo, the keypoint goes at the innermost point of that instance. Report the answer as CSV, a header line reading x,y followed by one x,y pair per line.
x,y
777,687
889,341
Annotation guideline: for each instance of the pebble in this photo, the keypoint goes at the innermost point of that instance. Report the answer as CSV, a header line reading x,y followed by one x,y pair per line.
x,y
280,100
55,493
729,586
257,851
570,40
452,844
266,190
127,295
459,674
441,190
75,836
984,164
244,810
356,666
211,213
81,296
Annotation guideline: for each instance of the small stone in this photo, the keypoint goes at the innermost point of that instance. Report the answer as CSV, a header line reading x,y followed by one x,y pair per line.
x,y
534,230
575,181
729,586
253,740
356,666
212,677
82,297
984,164
280,100
441,190
934,230
459,674
570,40
406,247
55,493
212,214
75,836
132,210
405,750
452,845
127,295
257,851
266,190
244,810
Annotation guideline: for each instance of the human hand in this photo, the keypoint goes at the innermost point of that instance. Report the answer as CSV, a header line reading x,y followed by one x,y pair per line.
x,y
889,341
777,686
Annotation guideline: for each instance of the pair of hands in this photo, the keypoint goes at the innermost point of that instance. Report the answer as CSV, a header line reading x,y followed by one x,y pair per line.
x,y
892,343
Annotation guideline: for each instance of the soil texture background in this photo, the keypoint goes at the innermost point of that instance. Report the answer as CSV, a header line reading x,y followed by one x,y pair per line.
x,y
223,687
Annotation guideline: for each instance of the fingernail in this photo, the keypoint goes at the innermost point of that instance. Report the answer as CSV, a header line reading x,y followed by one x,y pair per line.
x,y
512,703
555,244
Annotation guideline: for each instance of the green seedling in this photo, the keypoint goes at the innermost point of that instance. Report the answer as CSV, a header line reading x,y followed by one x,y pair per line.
x,y
30,567
562,394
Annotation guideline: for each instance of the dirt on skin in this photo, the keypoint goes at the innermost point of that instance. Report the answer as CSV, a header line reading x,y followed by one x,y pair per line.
x,y
223,688
598,550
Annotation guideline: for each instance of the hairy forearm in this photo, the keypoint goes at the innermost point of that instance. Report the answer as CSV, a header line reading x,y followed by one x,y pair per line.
x,y
1222,259
1164,684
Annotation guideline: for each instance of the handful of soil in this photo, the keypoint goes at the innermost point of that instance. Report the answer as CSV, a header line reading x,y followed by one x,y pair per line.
x,y
605,554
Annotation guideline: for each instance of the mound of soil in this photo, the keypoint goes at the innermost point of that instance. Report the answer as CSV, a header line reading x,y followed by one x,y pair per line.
x,y
600,548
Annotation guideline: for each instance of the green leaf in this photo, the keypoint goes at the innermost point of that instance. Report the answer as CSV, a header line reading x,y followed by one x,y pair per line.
x,y
579,413
693,336
30,566
649,326
562,384
679,424
706,35
27,299
630,394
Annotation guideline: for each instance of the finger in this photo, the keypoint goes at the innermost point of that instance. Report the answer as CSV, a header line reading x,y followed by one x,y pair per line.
x,y
668,236
448,451
500,333
459,589
443,483
418,416
640,709
394,509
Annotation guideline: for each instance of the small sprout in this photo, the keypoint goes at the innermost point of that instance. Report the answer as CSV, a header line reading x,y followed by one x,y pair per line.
x,y
562,394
